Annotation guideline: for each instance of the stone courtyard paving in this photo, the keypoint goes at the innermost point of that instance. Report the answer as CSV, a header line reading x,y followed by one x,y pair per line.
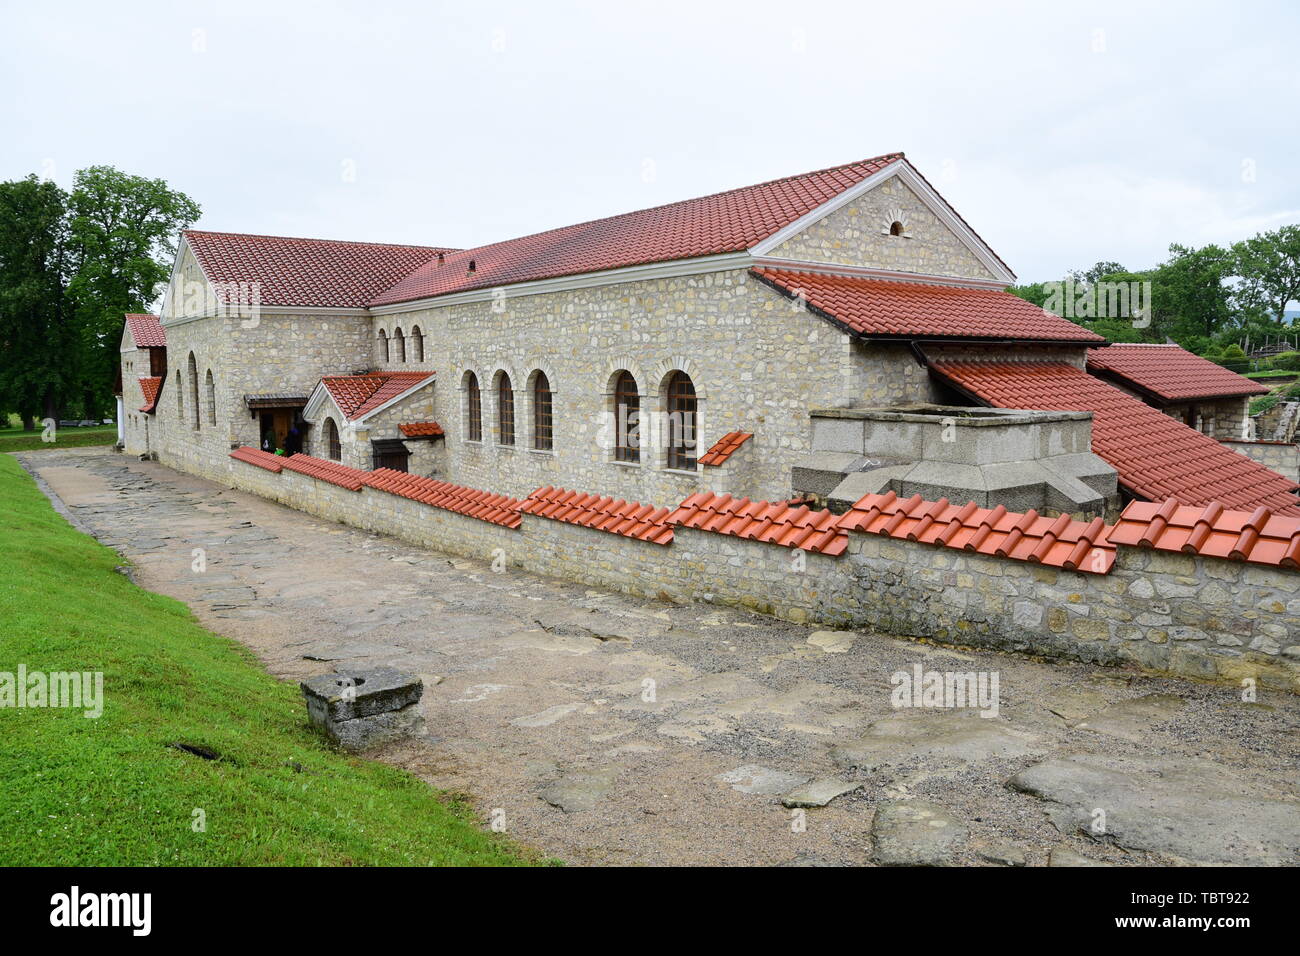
x,y
536,706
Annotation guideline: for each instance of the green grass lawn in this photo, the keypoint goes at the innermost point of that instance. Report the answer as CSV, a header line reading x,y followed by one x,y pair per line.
x,y
111,790
15,439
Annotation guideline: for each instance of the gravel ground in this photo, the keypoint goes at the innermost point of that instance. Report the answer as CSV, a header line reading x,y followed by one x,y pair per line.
x,y
535,702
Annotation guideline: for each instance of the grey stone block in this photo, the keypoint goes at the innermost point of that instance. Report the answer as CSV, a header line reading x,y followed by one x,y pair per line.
x,y
364,707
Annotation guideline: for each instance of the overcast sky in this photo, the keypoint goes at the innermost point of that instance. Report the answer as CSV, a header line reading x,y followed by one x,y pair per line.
x,y
1064,133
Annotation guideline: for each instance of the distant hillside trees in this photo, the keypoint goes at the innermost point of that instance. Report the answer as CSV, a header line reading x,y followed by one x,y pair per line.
x,y
1211,300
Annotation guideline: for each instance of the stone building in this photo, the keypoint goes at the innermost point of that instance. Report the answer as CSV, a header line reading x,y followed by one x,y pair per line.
x,y
1199,393
651,355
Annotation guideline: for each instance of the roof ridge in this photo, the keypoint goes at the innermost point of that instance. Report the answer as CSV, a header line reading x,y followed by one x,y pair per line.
x,y
346,242
678,202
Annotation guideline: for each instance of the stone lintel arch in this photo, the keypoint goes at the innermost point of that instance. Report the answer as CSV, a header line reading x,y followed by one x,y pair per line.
x,y
625,363
655,386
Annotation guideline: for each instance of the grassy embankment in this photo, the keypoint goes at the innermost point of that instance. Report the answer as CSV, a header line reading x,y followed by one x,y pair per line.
x,y
114,791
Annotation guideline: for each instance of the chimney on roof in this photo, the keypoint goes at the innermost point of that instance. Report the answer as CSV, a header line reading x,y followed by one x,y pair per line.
x,y
471,265
442,257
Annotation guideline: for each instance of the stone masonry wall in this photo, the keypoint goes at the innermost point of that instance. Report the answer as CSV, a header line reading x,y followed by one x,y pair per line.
x,y
858,234
758,364
1167,613
136,425
1282,457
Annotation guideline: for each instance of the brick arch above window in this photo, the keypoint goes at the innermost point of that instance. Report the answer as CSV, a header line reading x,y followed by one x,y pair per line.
x,y
626,364
658,380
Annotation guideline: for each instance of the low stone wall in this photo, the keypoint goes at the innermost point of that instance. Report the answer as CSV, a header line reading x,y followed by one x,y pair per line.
x,y
1282,457
1183,615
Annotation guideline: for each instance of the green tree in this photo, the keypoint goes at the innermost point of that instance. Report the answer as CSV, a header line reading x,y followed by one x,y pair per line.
x,y
39,347
1267,267
1099,271
123,230
1190,295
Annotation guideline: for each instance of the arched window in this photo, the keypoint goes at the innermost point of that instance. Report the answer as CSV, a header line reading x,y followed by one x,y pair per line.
x,y
543,433
179,385
333,447
681,422
627,417
417,345
383,347
896,228
399,346
474,408
210,396
194,393
505,410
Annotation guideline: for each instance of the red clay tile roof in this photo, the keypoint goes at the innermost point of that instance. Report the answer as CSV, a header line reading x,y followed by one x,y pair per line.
x,y
262,459
730,221
421,429
1157,457
724,447
1169,373
1057,542
150,387
328,471
1260,537
791,526
146,331
881,308
306,272
358,395
628,518
484,505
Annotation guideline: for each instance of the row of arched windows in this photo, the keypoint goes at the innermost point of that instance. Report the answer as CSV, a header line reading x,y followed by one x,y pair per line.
x,y
191,382
680,410
395,348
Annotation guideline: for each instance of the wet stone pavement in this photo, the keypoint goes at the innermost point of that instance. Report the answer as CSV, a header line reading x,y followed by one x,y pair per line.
x,y
604,729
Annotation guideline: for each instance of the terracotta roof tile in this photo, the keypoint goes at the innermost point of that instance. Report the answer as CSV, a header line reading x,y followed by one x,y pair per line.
x,y
782,523
616,516
725,447
1169,373
150,386
1157,457
1059,542
887,309
1259,537
358,395
306,272
262,459
421,429
146,331
484,505
330,472
725,222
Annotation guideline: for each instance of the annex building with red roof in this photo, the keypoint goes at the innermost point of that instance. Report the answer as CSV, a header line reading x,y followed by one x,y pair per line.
x,y
741,343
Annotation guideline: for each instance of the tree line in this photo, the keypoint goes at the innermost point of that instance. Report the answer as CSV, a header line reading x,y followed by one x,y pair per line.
x,y
1211,300
72,264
